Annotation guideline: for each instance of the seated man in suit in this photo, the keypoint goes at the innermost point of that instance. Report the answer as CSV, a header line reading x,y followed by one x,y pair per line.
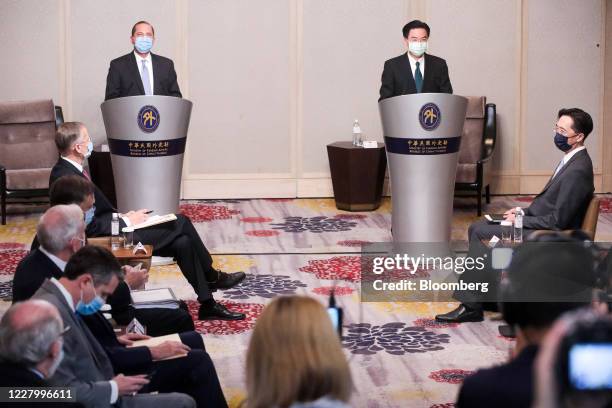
x,y
85,366
141,72
31,348
416,71
193,374
60,232
178,239
540,271
30,344
158,321
561,205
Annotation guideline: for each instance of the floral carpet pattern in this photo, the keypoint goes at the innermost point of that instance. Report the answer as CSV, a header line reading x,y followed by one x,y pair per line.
x,y
398,354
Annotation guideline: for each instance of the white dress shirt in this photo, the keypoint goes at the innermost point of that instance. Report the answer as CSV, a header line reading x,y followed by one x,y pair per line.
x,y
413,62
75,164
114,388
60,263
149,65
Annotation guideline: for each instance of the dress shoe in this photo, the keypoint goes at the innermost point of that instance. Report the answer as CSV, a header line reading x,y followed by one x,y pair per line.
x,y
227,280
460,315
218,312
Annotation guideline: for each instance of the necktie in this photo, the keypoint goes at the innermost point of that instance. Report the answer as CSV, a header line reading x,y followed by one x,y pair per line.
x,y
558,168
418,78
86,174
146,82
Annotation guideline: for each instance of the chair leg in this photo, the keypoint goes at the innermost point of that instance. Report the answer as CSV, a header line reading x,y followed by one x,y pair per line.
x,y
479,203
3,205
488,194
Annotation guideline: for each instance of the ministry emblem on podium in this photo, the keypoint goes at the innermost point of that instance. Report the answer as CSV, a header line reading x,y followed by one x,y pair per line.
x,y
148,118
430,116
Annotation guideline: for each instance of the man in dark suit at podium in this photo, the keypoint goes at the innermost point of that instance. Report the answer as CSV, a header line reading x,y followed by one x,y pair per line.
x,y
141,72
178,239
416,71
561,205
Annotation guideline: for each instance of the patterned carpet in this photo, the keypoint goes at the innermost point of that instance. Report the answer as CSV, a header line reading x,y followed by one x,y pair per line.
x,y
399,356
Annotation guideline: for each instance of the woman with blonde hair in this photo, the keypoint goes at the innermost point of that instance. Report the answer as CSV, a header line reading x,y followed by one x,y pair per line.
x,y
295,359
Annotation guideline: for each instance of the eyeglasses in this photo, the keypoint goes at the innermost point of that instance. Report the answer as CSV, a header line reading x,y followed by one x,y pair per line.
x,y
562,131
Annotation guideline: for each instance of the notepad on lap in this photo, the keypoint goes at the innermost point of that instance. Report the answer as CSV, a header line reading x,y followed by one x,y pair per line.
x,y
156,341
154,220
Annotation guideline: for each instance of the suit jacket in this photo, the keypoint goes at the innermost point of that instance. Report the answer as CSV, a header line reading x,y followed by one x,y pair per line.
x,y
31,273
563,202
16,375
508,385
101,223
85,366
124,77
397,78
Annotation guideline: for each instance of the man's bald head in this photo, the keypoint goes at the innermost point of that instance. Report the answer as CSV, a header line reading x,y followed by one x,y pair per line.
x,y
28,331
59,227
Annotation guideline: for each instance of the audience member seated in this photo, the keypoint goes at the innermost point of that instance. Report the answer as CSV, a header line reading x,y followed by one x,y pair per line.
x,y
31,348
30,344
178,239
158,321
537,280
193,374
86,366
561,205
60,232
295,358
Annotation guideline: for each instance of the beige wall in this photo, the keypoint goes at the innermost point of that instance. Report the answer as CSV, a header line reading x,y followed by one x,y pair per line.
x,y
274,81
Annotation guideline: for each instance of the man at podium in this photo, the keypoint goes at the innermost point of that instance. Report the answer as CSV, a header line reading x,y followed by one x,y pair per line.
x,y
416,71
141,72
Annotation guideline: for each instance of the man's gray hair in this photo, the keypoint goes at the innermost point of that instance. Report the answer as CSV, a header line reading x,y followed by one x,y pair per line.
x,y
58,226
67,134
29,343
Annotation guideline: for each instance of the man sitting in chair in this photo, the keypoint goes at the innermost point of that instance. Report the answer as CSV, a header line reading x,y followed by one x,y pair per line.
x,y
562,204
178,239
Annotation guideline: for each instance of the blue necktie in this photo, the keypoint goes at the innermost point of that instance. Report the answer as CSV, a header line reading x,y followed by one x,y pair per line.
x,y
146,82
418,78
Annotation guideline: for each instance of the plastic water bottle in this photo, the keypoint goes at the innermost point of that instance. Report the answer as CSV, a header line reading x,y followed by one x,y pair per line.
x,y
518,225
357,134
115,238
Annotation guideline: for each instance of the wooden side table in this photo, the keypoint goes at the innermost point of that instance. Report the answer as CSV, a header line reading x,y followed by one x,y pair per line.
x,y
125,256
357,175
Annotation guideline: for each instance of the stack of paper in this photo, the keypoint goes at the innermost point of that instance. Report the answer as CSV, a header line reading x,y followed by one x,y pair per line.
x,y
154,298
154,220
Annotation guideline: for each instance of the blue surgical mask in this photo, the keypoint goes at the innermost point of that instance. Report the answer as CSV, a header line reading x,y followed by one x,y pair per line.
x,y
143,44
89,149
417,48
561,142
86,309
89,215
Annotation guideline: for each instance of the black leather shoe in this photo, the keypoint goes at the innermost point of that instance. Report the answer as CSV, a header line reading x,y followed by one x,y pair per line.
x,y
227,280
218,312
460,315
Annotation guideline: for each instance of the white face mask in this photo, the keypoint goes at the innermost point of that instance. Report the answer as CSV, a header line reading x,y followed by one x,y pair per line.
x,y
56,362
417,48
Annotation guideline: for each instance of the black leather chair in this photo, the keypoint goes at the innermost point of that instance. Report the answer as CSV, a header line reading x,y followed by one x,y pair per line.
x,y
477,146
27,149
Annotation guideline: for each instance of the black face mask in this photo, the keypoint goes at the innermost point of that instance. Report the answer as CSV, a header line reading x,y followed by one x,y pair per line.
x,y
561,142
